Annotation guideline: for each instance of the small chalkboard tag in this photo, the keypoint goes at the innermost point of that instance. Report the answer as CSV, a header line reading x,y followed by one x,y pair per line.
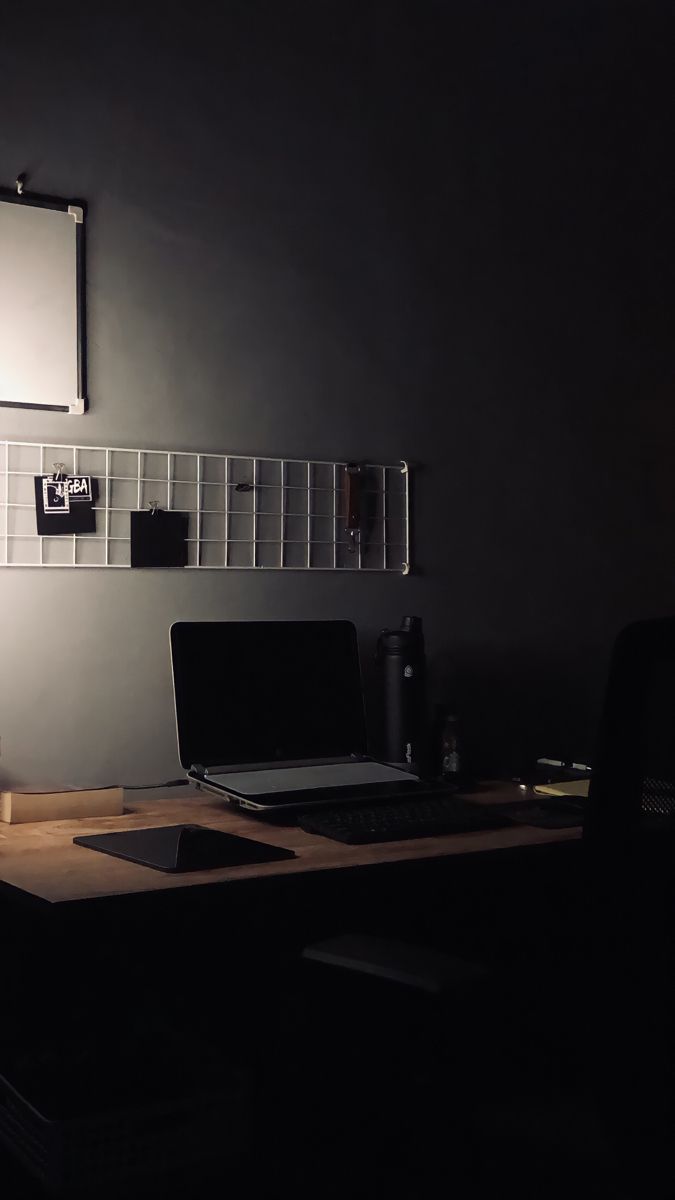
x,y
64,504
159,538
81,489
55,495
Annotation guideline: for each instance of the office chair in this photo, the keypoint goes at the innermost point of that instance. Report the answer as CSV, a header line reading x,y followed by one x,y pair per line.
x,y
632,786
629,826
629,842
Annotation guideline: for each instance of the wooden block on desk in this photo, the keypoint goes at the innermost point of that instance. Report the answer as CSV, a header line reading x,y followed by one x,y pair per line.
x,y
20,807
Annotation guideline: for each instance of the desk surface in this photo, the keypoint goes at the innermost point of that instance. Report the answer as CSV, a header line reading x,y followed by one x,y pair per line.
x,y
40,859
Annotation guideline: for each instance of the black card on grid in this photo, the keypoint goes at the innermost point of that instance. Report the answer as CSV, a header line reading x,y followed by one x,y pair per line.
x,y
159,539
56,510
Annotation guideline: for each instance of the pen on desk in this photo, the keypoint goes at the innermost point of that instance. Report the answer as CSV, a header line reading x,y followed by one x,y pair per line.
x,y
562,764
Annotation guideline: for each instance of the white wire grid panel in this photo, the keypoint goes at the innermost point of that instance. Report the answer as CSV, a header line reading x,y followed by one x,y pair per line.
x,y
244,513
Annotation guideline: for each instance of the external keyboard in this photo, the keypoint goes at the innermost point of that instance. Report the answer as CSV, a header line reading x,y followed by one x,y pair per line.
x,y
398,820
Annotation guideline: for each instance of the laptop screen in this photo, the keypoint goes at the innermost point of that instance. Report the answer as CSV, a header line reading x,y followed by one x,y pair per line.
x,y
266,691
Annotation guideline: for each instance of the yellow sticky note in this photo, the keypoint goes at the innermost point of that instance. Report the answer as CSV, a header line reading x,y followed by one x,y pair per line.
x,y
570,787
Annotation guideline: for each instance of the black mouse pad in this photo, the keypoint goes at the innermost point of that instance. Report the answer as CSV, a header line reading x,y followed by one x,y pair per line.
x,y
183,848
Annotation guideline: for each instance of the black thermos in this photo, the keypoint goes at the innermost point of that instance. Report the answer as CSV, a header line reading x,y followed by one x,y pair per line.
x,y
400,655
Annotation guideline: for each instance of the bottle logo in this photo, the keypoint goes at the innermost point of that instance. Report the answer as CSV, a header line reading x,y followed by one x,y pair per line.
x,y
408,672
408,752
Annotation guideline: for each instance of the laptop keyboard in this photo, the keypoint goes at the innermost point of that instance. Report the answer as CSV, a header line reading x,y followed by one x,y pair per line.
x,y
398,820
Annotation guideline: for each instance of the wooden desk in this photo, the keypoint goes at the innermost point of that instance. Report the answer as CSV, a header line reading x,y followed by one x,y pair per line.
x,y
221,963
41,860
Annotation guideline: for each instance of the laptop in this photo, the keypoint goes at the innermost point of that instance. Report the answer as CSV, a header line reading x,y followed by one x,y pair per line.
x,y
270,714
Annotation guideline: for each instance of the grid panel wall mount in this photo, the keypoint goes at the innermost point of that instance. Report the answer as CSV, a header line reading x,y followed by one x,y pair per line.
x,y
245,513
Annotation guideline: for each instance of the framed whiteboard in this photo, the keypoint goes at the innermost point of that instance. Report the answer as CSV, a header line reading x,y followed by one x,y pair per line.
x,y
42,332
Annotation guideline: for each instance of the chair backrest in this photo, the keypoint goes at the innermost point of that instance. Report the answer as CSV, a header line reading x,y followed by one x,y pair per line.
x,y
633,782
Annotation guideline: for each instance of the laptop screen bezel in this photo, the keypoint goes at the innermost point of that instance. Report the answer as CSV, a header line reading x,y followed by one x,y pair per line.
x,y
189,751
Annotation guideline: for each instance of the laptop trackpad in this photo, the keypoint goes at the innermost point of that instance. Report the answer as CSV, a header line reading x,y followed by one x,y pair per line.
x,y
300,779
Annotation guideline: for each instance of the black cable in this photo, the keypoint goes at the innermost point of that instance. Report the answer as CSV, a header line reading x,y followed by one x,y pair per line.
x,y
127,787
139,787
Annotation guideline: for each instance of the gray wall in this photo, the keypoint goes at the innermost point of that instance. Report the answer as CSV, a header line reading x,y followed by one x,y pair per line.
x,y
376,230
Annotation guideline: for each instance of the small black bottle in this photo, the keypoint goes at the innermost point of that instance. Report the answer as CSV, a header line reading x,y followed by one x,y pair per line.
x,y
448,745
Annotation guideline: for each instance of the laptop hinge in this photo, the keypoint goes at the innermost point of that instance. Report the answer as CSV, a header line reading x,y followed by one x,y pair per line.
x,y
277,765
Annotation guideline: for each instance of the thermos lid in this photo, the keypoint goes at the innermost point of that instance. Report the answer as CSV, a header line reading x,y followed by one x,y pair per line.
x,y
401,640
412,625
393,640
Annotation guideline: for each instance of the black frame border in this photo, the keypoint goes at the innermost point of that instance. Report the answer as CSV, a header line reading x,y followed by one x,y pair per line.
x,y
56,204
